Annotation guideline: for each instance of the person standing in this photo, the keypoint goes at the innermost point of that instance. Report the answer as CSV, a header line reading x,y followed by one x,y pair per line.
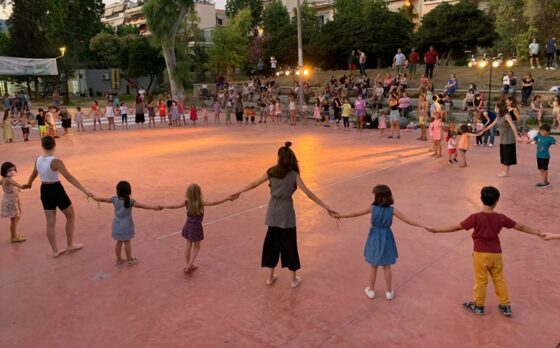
x,y
413,59
550,53
534,53
362,61
139,117
352,61
66,118
273,63
281,237
53,196
431,58
398,61
527,89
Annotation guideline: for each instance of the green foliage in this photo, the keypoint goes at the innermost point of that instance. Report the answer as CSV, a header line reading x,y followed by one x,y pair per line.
x,y
107,48
456,28
229,49
4,44
162,16
275,17
255,7
126,29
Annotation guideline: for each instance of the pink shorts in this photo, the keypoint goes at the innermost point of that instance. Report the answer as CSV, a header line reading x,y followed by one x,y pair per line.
x,y
451,151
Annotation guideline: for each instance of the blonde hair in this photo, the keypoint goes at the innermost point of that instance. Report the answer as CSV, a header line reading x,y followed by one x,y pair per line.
x,y
194,200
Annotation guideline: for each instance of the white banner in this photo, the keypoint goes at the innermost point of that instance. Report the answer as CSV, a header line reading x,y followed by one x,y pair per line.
x,y
10,66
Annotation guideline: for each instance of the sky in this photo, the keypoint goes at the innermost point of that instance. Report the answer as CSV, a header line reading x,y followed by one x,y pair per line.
x,y
5,12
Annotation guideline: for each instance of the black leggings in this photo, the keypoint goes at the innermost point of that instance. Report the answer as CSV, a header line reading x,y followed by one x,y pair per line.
x,y
346,121
281,243
124,118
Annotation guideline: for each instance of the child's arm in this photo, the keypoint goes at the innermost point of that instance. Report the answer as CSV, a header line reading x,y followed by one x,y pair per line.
x,y
16,184
183,204
146,206
102,200
351,215
228,198
550,236
405,219
452,228
526,229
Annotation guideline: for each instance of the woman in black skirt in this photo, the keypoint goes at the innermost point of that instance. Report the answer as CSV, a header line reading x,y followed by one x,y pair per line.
x,y
139,118
508,136
281,239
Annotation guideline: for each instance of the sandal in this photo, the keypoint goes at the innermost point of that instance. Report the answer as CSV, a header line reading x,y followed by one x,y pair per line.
x,y
120,262
132,261
18,239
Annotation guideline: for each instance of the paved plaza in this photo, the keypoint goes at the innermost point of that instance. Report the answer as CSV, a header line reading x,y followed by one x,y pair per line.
x,y
83,300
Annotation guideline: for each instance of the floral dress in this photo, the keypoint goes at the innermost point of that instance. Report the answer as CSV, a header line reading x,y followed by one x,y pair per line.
x,y
11,206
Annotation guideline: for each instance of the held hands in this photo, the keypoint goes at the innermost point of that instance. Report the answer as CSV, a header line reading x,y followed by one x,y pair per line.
x,y
333,213
25,187
158,208
234,196
430,229
549,236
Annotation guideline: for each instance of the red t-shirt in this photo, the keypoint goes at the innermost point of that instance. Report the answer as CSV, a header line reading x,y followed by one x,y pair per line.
x,y
413,58
430,57
487,226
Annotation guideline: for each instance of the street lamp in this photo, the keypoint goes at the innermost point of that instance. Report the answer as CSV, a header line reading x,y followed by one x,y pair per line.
x,y
62,51
494,62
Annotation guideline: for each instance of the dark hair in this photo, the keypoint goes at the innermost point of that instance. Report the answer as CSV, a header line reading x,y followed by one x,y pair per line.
x,y
6,166
48,143
383,196
463,129
512,100
489,195
502,108
123,191
6,114
287,161
78,108
545,127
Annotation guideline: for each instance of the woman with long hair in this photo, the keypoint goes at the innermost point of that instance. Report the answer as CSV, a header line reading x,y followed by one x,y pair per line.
x,y
281,239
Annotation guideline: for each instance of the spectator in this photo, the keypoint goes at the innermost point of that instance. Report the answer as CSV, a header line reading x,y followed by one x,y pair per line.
x,y
431,58
534,53
362,61
273,63
398,61
536,109
527,88
352,61
550,52
452,85
512,83
413,59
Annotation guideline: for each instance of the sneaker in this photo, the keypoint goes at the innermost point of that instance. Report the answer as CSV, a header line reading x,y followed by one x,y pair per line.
x,y
472,307
505,310
490,145
542,184
390,137
369,293
389,295
450,161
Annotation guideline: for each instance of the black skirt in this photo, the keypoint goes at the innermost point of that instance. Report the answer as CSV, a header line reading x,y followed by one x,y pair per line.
x,y
140,118
508,154
281,243
67,123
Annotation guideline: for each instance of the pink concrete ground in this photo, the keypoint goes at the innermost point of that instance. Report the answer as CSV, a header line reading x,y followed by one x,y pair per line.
x,y
84,300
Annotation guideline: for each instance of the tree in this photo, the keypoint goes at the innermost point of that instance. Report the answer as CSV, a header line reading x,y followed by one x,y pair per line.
x,y
255,6
275,17
107,48
139,58
456,28
164,17
229,48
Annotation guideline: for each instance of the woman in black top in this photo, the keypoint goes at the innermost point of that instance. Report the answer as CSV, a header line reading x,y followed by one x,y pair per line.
x,y
527,89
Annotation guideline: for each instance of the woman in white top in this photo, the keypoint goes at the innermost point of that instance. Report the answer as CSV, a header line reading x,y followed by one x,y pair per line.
x,y
53,195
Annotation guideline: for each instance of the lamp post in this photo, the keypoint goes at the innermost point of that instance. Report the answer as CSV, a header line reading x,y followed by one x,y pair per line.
x,y
493,62
67,95
300,54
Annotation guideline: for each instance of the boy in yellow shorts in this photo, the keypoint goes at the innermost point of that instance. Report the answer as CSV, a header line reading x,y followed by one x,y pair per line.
x,y
487,254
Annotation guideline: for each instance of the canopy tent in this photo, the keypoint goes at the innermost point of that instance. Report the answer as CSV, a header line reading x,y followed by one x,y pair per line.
x,y
12,66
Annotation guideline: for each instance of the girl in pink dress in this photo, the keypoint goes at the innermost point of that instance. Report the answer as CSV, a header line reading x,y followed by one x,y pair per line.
x,y
194,115
317,111
11,206
382,125
436,128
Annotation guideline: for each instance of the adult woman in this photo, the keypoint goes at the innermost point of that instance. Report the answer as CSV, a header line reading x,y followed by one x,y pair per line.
x,y
281,239
239,107
526,89
139,118
513,111
508,137
53,195
394,115
66,118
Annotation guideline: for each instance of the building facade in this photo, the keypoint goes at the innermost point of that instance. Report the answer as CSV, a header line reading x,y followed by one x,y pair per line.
x,y
324,8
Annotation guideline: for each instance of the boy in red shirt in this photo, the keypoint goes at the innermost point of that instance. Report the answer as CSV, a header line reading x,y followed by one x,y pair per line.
x,y
487,254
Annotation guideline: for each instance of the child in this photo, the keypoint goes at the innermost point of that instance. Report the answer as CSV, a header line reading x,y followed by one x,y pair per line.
x,y
123,226
80,119
41,123
317,111
346,110
271,109
487,255
24,122
228,113
464,144
11,206
174,117
193,231
193,115
204,114
555,111
151,114
8,128
452,147
436,132
544,141
382,124
422,116
96,115
380,249
162,110
217,110
181,110
278,111
124,115
246,114
110,114
479,127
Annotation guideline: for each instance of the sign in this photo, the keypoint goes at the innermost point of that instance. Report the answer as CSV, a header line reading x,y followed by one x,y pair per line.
x,y
12,66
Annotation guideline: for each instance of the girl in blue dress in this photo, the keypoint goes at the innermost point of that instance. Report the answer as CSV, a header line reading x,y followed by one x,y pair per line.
x,y
123,226
380,249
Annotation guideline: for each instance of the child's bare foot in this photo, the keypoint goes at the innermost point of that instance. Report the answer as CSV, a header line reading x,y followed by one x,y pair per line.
x,y
190,268
75,247
120,262
58,253
438,156
271,280
296,282
462,165
132,261
433,155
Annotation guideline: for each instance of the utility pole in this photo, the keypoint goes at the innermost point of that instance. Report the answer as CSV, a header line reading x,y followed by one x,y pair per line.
x,y
300,55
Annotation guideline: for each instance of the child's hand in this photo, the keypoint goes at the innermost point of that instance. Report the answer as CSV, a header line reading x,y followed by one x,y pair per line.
x,y
159,207
430,229
25,187
234,196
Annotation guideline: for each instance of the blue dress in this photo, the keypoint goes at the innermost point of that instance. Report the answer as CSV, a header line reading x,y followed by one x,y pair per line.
x,y
381,249
123,226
